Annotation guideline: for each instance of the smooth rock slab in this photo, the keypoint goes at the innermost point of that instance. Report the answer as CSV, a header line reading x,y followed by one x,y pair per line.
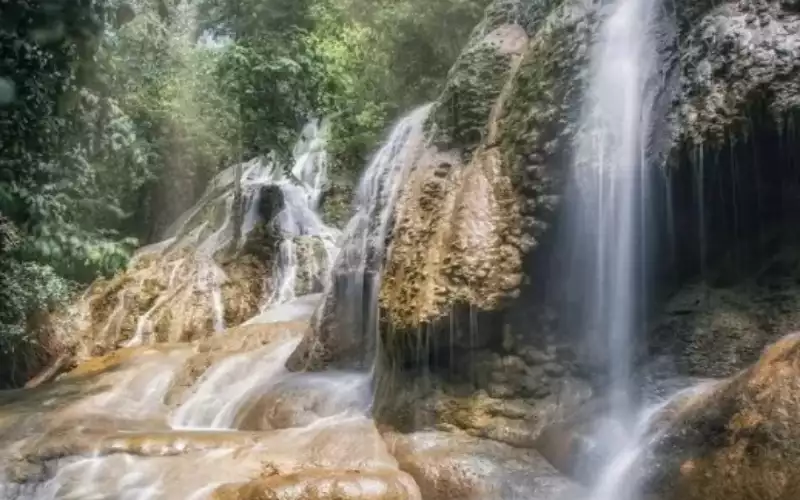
x,y
460,467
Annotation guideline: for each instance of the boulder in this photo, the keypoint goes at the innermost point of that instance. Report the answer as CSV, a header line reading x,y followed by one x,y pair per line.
x,y
738,441
460,467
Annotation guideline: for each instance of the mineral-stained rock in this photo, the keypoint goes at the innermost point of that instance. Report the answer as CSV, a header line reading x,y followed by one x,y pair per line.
x,y
740,440
456,237
459,467
496,415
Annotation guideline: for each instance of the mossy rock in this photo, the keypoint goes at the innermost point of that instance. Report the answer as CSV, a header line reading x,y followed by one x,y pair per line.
x,y
460,120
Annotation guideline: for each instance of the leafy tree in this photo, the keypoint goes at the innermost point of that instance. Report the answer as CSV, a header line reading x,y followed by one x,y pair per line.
x,y
383,57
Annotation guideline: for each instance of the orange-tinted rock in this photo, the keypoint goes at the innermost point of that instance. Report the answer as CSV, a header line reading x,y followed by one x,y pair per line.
x,y
740,440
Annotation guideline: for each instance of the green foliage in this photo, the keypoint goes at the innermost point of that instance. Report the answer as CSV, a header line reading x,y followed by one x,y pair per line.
x,y
382,58
275,83
25,287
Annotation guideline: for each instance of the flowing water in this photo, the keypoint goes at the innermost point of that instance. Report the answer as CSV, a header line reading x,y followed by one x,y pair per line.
x,y
611,179
159,420
357,273
306,246
620,479
609,222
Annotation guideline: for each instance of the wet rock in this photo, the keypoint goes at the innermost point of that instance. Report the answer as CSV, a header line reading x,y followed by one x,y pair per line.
x,y
236,340
459,467
454,241
740,439
554,369
712,106
271,202
716,331
535,356
500,391
325,485
301,400
513,364
513,421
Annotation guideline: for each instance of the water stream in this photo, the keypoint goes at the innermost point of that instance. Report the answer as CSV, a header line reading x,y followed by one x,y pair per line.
x,y
178,420
608,224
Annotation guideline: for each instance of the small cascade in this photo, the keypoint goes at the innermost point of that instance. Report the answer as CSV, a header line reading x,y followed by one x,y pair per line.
x,y
357,271
178,421
184,288
311,160
621,477
225,388
140,392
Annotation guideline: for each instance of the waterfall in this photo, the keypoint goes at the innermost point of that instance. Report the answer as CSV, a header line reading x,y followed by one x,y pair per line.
x,y
223,390
608,221
357,271
611,179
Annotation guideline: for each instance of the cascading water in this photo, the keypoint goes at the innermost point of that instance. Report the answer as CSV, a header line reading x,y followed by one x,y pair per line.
x,y
608,217
611,179
306,246
357,272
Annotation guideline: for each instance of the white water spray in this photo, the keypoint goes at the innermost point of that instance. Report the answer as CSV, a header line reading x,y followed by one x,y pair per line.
x,y
612,179
611,175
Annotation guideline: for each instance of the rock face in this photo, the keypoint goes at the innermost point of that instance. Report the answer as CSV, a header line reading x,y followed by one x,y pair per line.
x,y
480,197
735,57
740,440
456,238
168,294
715,331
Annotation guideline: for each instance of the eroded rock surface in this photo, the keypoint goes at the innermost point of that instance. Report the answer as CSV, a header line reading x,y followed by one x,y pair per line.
x,y
736,57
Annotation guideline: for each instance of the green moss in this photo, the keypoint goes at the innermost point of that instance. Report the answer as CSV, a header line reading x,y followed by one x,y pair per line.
x,y
336,205
462,113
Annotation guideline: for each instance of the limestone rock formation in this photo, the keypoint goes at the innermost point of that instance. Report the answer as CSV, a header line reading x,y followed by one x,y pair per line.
x,y
325,485
737,57
740,439
479,198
